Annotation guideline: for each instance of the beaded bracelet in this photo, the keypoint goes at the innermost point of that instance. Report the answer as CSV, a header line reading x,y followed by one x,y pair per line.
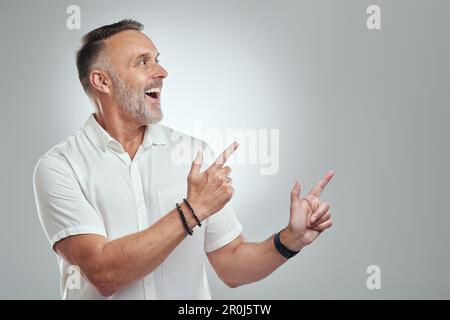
x,y
183,218
193,212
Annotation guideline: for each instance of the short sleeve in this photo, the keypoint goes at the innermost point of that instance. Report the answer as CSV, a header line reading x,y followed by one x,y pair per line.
x,y
223,226
61,205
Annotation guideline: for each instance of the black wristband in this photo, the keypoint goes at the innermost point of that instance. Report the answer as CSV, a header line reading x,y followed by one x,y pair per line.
x,y
183,218
193,212
285,252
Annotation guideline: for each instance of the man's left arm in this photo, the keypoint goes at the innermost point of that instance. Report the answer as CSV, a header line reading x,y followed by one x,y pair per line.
x,y
241,262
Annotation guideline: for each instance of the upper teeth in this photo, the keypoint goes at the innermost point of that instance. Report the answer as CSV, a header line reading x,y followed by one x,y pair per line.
x,y
152,90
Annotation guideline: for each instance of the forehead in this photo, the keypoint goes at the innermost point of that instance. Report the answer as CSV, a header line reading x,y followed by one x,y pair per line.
x,y
129,43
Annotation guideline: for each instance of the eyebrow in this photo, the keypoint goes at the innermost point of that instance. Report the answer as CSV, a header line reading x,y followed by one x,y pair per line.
x,y
146,55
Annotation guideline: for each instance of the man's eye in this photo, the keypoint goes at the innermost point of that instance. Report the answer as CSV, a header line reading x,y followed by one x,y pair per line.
x,y
145,60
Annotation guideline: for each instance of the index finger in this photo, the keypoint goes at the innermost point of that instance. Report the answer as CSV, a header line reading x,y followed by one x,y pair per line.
x,y
318,188
225,155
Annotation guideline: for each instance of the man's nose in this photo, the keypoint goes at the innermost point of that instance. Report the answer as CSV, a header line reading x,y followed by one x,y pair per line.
x,y
159,72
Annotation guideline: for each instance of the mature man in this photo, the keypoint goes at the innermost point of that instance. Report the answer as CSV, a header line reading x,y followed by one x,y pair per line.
x,y
110,197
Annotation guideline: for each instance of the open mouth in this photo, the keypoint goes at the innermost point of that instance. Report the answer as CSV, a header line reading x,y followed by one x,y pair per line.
x,y
153,92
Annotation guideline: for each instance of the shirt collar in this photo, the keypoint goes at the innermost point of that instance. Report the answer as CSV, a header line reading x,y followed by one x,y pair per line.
x,y
153,134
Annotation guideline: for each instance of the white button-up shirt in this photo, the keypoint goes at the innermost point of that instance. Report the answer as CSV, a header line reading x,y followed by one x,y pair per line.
x,y
88,184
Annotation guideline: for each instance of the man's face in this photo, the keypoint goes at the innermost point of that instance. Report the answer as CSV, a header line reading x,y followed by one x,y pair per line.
x,y
137,76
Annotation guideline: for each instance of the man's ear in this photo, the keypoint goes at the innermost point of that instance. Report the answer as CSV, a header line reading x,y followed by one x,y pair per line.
x,y
100,81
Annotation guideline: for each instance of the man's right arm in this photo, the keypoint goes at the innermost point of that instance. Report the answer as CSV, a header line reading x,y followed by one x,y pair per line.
x,y
110,265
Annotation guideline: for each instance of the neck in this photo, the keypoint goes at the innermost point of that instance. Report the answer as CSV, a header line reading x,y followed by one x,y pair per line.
x,y
123,128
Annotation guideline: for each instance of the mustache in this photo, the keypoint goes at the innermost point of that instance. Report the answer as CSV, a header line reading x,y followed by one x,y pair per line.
x,y
156,83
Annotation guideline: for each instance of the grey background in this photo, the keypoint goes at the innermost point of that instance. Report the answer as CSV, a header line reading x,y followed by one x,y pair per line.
x,y
372,105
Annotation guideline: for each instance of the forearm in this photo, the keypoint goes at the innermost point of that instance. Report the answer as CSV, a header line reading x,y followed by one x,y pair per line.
x,y
132,257
251,262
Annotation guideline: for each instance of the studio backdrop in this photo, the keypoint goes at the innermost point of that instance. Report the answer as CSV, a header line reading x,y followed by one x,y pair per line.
x,y
359,87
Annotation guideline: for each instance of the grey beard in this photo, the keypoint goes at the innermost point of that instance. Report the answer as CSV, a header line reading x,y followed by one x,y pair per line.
x,y
133,102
